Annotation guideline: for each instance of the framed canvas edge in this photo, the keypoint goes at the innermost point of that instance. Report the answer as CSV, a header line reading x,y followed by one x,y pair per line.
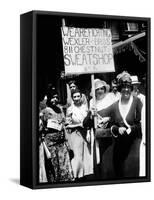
x,y
76,14
35,184
25,113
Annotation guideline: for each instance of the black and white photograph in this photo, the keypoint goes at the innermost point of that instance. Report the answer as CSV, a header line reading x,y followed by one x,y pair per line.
x,y
76,99
92,99
92,88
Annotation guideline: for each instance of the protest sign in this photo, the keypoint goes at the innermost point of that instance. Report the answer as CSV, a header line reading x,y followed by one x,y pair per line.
x,y
87,50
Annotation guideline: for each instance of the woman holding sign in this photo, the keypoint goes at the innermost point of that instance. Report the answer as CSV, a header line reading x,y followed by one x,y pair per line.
x,y
102,133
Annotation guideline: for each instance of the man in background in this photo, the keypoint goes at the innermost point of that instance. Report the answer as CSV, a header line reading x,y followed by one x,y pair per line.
x,y
114,94
136,92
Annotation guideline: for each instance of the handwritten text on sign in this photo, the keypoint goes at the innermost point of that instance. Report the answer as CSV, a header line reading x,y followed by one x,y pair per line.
x,y
87,50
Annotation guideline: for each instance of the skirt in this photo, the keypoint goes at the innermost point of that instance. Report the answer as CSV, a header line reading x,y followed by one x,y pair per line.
x,y
59,167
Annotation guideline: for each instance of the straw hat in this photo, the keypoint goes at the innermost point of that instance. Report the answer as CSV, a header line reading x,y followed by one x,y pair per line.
x,y
135,80
99,83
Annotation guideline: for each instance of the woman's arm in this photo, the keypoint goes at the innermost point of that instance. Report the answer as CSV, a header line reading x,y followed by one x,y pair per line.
x,y
74,125
135,129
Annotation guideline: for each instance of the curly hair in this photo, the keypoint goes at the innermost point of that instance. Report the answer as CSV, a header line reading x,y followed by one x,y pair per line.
x,y
75,91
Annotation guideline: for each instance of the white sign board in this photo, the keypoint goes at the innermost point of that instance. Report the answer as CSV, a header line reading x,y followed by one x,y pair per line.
x,y
87,50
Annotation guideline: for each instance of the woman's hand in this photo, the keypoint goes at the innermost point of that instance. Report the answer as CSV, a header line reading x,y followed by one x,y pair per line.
x,y
102,120
93,111
122,130
105,119
68,121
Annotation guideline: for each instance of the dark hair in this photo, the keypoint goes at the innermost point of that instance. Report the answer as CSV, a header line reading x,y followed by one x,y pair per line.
x,y
72,81
114,81
50,87
124,79
75,91
50,94
51,90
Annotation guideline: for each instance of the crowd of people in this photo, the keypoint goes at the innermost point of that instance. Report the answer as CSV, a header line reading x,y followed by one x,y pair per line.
x,y
100,139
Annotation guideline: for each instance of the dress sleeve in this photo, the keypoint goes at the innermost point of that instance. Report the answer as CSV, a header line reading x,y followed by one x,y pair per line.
x,y
136,127
69,111
88,121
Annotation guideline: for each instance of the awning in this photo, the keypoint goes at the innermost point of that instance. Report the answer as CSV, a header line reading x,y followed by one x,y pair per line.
x,y
118,44
129,45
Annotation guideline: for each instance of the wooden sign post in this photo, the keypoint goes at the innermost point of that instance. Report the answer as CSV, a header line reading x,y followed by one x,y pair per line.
x,y
94,99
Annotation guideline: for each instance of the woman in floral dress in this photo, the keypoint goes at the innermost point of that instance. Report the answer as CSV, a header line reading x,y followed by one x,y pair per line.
x,y
58,165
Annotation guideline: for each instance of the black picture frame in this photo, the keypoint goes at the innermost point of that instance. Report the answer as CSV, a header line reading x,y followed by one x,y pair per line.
x,y
39,50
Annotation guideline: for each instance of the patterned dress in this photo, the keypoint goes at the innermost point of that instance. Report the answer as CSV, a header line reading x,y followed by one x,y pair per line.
x,y
58,166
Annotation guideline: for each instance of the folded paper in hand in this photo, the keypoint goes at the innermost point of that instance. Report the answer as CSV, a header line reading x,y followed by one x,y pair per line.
x,y
54,124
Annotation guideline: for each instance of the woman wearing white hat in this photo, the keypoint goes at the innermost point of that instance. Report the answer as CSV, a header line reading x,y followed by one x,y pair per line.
x,y
101,93
102,134
136,92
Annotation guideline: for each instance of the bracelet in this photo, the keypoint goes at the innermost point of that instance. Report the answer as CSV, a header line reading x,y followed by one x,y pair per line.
x,y
113,133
